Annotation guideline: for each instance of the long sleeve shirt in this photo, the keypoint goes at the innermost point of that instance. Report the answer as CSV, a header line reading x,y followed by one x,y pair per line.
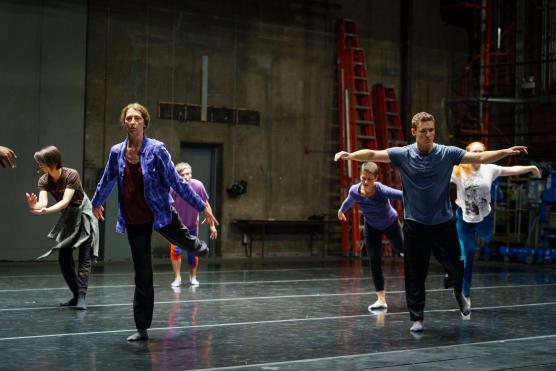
x,y
159,175
377,210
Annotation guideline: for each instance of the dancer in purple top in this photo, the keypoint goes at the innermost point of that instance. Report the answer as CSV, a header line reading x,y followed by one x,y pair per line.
x,y
380,217
190,218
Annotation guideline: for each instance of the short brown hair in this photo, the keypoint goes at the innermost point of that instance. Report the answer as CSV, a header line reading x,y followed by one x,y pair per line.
x,y
136,106
421,117
49,156
371,167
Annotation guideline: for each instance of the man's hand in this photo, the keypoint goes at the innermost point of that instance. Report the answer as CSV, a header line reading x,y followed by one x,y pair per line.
x,y
536,172
98,212
342,155
7,157
516,150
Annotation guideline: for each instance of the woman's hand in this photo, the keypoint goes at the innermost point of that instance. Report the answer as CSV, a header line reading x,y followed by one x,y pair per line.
x,y
98,212
210,219
41,211
31,200
213,232
342,216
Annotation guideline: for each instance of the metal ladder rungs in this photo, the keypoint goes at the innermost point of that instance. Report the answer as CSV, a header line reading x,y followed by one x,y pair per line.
x,y
366,137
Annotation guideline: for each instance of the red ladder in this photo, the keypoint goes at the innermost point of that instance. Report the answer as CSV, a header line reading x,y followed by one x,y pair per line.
x,y
355,120
390,134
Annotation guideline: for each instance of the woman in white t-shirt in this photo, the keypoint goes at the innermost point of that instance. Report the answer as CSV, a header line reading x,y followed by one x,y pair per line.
x,y
474,217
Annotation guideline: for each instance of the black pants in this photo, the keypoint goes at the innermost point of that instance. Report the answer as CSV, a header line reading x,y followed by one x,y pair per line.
x,y
139,237
373,244
419,239
179,235
76,281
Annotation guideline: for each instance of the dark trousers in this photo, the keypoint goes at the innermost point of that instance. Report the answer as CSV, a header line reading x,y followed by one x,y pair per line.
x,y
419,239
139,237
373,245
179,235
76,281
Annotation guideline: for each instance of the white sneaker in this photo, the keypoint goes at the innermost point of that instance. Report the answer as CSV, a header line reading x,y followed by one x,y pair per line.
x,y
194,282
378,305
176,283
417,327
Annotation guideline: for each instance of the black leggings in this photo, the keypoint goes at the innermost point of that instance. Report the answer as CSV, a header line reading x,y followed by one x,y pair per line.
x,y
373,244
76,281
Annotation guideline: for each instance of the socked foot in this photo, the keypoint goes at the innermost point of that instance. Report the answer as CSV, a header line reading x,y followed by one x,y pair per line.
x,y
140,335
69,303
464,306
81,304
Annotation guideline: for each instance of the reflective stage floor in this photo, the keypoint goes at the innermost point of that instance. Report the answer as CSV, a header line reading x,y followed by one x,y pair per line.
x,y
278,315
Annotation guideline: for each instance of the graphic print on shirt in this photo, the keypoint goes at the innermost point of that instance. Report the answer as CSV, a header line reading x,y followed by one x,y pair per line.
x,y
476,200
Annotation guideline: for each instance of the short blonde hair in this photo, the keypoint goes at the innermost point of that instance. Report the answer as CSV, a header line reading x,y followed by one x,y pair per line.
x,y
138,107
183,166
421,117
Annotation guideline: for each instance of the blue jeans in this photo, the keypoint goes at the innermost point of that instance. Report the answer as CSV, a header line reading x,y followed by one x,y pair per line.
x,y
468,235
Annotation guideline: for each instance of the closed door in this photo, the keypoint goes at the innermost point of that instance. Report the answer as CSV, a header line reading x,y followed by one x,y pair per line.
x,y
203,159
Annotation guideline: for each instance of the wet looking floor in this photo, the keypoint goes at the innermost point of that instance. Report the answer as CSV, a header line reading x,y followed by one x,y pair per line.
x,y
278,315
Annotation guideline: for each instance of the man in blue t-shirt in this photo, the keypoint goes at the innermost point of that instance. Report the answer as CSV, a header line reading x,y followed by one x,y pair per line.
x,y
425,169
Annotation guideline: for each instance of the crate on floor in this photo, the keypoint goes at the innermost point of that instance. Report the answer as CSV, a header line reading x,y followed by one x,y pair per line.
x,y
546,255
522,254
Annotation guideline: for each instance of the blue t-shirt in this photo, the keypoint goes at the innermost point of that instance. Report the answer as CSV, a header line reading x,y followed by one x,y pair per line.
x,y
426,180
376,209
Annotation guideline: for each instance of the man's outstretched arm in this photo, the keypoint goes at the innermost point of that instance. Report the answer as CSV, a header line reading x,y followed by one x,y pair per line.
x,y
488,157
363,155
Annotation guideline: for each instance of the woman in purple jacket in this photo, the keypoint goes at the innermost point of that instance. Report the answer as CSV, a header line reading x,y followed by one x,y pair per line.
x,y
380,217
144,173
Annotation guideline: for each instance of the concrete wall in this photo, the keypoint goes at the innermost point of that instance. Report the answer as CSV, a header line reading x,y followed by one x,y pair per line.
x,y
41,103
274,57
